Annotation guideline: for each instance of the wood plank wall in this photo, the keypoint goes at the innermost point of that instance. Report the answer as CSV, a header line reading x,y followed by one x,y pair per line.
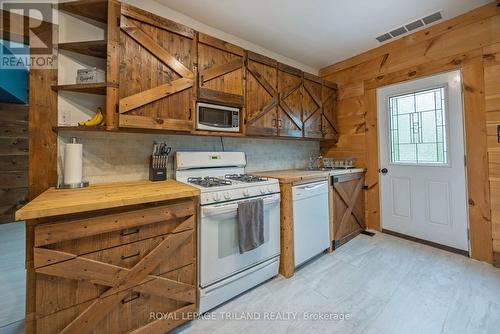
x,y
13,159
470,42
42,111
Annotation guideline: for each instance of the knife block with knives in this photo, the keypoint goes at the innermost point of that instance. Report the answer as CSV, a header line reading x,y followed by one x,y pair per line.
x,y
158,162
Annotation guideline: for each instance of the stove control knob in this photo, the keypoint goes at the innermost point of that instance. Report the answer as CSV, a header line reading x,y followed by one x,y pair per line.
x,y
246,193
216,197
226,195
269,189
262,190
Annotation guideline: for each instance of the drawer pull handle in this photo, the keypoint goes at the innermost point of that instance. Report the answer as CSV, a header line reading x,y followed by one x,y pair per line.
x,y
126,232
124,257
131,298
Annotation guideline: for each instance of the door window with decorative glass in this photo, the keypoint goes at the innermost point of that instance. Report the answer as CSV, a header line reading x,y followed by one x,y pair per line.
x,y
418,127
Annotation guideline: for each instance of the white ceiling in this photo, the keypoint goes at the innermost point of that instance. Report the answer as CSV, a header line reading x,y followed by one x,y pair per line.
x,y
316,33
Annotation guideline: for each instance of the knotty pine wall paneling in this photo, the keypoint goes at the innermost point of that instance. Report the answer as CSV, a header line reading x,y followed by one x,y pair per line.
x,y
470,42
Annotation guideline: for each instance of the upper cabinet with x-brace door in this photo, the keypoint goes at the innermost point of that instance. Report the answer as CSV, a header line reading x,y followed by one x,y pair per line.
x,y
221,71
329,102
261,95
312,106
157,72
290,101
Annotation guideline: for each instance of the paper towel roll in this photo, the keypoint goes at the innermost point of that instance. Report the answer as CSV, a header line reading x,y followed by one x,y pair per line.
x,y
72,163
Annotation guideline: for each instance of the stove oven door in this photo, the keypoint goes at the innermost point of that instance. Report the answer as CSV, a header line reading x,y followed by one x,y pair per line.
x,y
219,253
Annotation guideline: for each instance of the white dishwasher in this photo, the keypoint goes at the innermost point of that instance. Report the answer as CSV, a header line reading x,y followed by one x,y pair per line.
x,y
310,220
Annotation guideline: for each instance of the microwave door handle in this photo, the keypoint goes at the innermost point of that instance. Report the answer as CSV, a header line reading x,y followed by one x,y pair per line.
x,y
216,125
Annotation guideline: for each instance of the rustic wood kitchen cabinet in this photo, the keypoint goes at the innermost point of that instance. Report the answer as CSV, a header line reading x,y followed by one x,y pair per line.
x,y
348,207
329,104
261,95
312,106
158,69
221,71
157,72
290,101
107,269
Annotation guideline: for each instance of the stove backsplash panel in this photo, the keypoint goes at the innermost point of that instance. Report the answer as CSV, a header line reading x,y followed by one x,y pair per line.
x,y
110,157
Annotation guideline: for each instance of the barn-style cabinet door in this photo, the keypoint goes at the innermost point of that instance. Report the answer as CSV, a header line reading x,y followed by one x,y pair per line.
x,y
290,101
329,101
348,208
221,71
157,72
312,106
261,95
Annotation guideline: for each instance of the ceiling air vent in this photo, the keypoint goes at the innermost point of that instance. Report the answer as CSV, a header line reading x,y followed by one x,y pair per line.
x,y
416,24
398,32
432,18
384,37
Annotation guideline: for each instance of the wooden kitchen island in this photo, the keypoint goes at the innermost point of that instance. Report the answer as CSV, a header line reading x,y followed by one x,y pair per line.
x,y
111,258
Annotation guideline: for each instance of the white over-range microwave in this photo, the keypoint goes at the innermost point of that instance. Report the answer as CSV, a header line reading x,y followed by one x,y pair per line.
x,y
213,117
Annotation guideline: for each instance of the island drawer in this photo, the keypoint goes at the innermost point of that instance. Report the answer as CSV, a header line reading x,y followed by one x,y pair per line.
x,y
134,308
96,231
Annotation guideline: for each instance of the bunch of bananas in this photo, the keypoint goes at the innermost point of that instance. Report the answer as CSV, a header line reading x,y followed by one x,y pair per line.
x,y
97,119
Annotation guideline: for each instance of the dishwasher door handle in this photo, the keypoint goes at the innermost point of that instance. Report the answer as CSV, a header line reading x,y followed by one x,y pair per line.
x,y
308,187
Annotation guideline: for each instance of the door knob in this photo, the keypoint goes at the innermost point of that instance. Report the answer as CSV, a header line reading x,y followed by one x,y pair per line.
x,y
383,170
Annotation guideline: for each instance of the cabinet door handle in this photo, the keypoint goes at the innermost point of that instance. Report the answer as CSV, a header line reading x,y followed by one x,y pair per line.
x,y
280,123
274,122
124,257
126,232
131,298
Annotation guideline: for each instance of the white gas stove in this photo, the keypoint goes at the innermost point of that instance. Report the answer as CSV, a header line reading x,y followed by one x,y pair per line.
x,y
223,272
221,176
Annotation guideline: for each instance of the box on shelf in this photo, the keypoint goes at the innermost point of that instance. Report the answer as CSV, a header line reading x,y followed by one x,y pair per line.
x,y
91,75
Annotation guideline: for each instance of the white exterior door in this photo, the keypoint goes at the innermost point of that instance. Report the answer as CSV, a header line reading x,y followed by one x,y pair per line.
x,y
422,160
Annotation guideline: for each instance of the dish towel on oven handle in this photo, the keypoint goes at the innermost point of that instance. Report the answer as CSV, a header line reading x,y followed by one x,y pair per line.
x,y
250,224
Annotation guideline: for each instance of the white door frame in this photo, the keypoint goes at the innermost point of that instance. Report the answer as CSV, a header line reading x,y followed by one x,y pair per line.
x,y
379,145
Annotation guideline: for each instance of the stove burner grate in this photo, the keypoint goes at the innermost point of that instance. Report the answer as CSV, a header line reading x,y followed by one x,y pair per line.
x,y
209,181
245,178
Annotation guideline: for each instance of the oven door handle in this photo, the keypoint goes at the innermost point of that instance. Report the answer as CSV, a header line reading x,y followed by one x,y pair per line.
x,y
232,207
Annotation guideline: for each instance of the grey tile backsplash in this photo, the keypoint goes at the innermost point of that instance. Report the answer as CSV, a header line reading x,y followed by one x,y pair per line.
x,y
110,157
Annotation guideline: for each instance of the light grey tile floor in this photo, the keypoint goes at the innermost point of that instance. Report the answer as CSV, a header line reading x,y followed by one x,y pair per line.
x,y
385,284
12,273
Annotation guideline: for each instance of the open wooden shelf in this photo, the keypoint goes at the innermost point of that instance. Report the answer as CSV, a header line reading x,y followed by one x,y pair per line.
x,y
93,9
94,88
79,128
89,48
170,132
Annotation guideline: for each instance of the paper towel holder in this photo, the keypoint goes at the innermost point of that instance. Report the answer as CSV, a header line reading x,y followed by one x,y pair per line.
x,y
83,184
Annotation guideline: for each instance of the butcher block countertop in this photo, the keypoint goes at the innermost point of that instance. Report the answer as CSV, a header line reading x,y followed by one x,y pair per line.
x,y
301,175
54,202
294,175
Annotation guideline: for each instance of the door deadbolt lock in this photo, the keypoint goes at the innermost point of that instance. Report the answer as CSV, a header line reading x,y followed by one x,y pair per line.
x,y
383,170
